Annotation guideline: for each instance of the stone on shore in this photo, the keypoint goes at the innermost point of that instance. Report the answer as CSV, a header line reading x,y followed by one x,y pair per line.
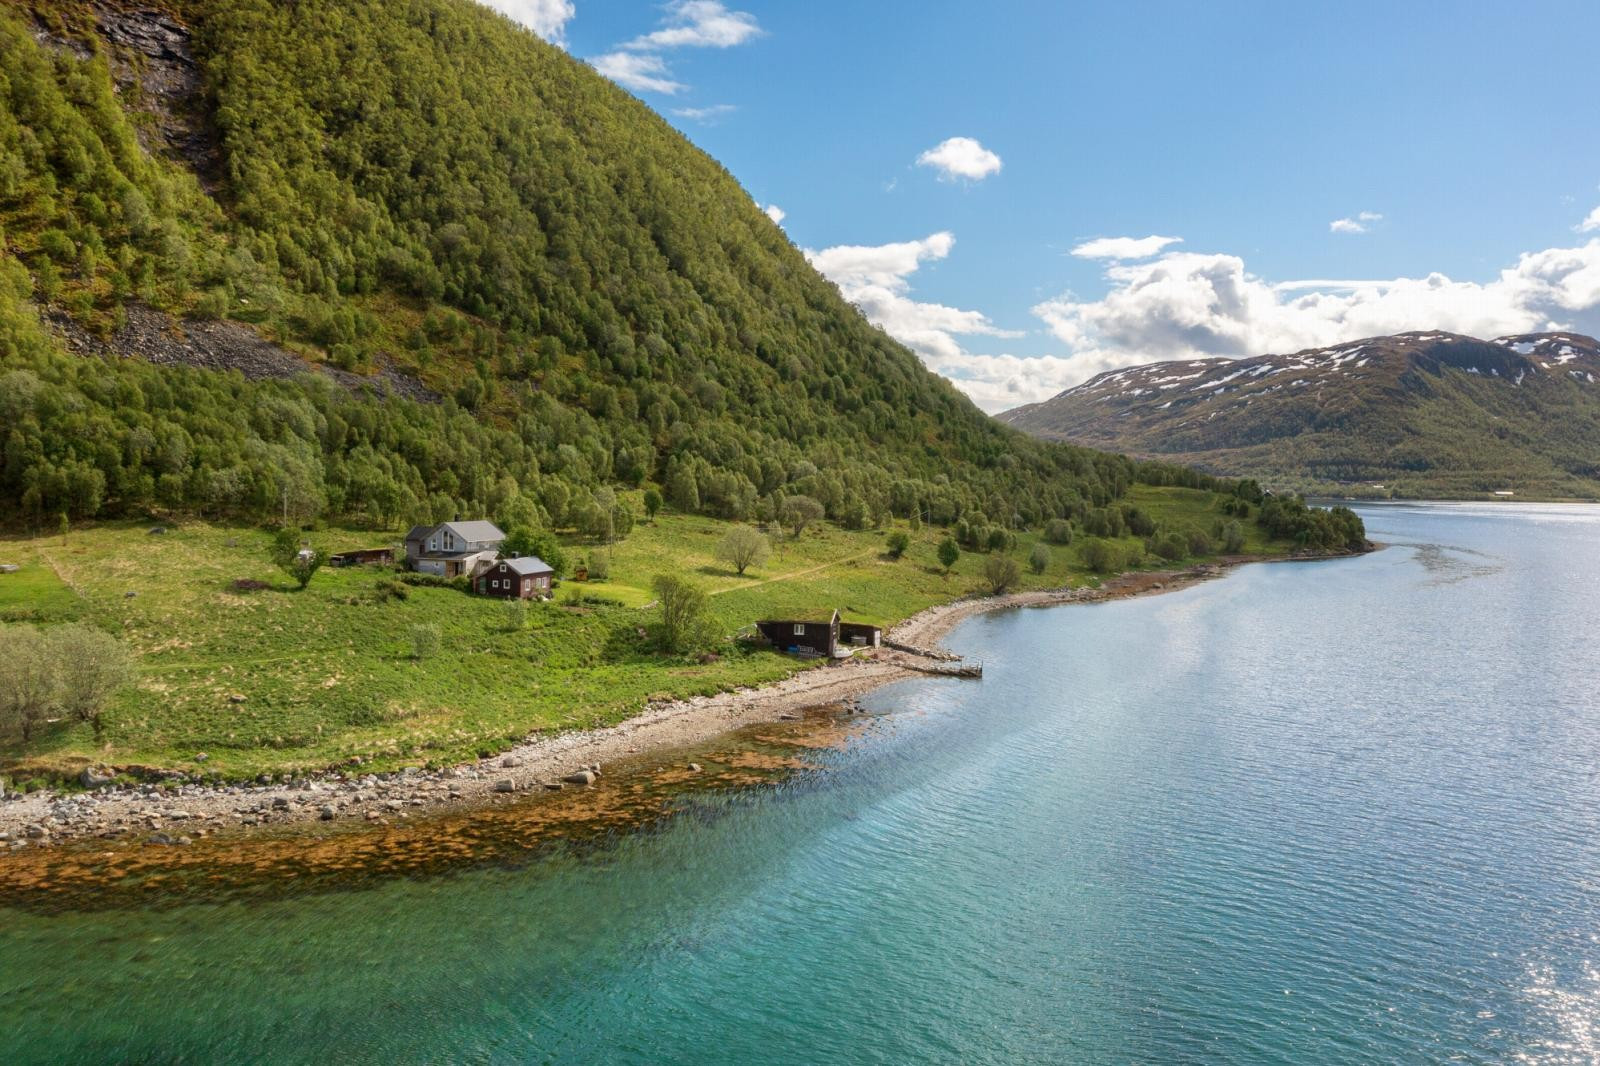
x,y
582,777
505,786
510,762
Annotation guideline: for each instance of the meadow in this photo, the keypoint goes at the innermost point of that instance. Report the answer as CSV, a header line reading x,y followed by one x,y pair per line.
x,y
276,679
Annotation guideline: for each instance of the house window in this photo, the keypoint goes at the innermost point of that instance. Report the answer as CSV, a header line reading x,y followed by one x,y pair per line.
x,y
800,630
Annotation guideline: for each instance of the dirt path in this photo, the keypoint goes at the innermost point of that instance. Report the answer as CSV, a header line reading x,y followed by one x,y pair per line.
x,y
797,573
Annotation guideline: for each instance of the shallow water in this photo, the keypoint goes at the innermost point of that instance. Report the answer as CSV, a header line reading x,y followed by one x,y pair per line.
x,y
1342,811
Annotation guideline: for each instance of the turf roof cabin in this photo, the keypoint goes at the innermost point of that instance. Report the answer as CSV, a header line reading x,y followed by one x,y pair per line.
x,y
526,577
832,638
452,549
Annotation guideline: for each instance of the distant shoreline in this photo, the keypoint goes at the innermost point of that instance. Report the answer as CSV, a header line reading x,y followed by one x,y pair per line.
x,y
539,765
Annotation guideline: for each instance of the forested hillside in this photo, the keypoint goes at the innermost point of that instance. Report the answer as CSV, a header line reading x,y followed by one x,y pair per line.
x,y
508,284
1414,415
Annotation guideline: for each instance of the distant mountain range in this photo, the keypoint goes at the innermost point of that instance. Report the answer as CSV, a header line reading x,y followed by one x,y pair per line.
x,y
1416,414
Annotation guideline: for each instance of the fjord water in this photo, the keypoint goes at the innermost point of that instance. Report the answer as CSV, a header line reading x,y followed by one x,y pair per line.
x,y
1331,812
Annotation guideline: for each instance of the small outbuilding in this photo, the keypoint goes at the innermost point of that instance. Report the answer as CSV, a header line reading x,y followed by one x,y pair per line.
x,y
831,638
525,578
362,557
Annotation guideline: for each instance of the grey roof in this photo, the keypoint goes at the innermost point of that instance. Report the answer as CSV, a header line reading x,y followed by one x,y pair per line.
x,y
473,532
528,565
419,532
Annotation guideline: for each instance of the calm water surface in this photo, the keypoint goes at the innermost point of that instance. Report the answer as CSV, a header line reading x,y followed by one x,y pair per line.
x,y
1342,812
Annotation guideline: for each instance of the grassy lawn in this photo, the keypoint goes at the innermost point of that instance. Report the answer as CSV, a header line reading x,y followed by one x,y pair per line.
x,y
280,679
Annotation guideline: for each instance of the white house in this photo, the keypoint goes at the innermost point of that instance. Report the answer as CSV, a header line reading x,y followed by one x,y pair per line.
x,y
451,549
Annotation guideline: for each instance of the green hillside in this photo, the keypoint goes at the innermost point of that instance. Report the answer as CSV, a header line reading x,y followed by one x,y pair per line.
x,y
516,283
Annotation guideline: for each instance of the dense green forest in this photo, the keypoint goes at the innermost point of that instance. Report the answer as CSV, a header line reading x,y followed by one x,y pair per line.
x,y
419,188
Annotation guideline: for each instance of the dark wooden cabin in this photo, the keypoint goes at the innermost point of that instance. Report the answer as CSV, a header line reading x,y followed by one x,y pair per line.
x,y
524,578
832,638
363,557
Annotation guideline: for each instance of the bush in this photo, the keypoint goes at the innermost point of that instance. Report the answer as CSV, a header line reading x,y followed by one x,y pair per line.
x,y
72,670
743,547
1039,559
685,621
1000,573
1232,537
949,552
390,589
1199,543
515,615
1058,531
599,566
897,543
798,512
1170,546
425,641
1101,556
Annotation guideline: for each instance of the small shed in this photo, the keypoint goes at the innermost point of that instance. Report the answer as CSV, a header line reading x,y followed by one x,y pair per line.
x,y
523,578
362,557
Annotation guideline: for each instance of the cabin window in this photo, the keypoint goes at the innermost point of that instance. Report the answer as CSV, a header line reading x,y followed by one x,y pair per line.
x,y
800,630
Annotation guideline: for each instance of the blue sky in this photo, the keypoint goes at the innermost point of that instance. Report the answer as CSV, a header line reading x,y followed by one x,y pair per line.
x,y
1431,165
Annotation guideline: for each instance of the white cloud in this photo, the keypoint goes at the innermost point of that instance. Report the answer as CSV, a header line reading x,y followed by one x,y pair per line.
x,y
1000,382
1188,305
960,157
774,212
704,114
1358,224
637,64
876,279
1591,223
637,71
699,24
1123,247
547,18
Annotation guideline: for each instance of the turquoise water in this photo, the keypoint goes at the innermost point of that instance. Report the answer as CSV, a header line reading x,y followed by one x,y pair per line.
x,y
1339,812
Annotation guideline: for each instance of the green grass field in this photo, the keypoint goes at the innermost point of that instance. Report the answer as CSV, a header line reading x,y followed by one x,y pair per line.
x,y
278,679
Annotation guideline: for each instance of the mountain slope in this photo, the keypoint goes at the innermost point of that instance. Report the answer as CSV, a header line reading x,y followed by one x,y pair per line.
x,y
1421,414
418,200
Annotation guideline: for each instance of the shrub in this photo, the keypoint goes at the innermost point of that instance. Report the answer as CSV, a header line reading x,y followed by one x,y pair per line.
x,y
1099,555
1199,543
897,543
599,566
1232,537
1058,531
425,640
515,615
1039,559
390,589
949,552
798,512
1000,573
249,584
685,624
743,547
92,665
1170,546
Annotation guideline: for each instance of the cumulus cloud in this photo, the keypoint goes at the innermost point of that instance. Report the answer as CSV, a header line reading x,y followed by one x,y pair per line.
x,y
877,279
699,24
1188,305
1591,223
638,71
960,157
547,18
774,212
1359,224
704,114
637,64
1123,247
